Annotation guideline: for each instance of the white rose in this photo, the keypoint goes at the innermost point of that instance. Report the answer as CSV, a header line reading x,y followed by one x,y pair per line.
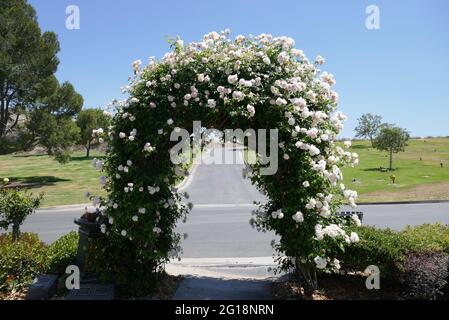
x,y
211,103
251,110
320,60
281,102
354,237
233,79
298,217
321,263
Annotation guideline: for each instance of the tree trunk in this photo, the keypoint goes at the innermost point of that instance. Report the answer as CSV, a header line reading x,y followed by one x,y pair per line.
x,y
15,232
306,273
88,149
391,159
3,117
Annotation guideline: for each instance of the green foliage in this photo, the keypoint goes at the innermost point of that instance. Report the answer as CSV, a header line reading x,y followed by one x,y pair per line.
x,y
122,265
65,101
429,237
28,58
389,249
246,83
20,261
89,120
29,89
56,133
62,253
392,140
15,206
368,126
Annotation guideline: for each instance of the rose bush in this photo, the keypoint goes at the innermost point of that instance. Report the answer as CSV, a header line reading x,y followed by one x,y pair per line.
x,y
258,82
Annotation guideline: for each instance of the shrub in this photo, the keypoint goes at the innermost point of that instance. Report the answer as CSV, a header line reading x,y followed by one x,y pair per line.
x,y
425,275
383,248
62,253
416,258
428,236
15,206
20,261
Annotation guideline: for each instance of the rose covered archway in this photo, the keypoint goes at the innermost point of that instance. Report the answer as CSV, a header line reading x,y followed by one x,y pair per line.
x,y
258,82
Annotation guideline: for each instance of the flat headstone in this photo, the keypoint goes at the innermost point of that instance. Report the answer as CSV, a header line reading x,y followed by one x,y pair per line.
x,y
195,288
44,286
92,291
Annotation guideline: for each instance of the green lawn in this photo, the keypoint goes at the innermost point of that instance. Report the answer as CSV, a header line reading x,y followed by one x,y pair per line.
x,y
416,179
62,184
419,175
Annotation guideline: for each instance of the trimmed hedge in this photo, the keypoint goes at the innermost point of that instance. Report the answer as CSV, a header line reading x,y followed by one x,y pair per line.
x,y
23,260
62,253
417,258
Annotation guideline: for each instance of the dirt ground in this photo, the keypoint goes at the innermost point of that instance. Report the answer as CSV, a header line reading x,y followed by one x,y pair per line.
x,y
335,287
434,191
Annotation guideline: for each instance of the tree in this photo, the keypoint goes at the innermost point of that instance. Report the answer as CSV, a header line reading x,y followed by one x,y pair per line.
x,y
15,206
51,123
392,140
89,120
369,126
29,90
27,60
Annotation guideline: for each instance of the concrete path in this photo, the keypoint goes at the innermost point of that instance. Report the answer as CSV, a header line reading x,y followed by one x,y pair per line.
x,y
226,268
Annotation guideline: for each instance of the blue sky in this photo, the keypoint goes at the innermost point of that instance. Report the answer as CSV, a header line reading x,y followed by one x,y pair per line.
x,y
400,71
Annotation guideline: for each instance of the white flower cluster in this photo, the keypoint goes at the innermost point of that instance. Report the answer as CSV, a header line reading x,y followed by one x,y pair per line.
x,y
334,231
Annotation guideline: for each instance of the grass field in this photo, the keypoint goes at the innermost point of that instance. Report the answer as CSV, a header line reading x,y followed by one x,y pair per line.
x,y
419,175
62,184
415,179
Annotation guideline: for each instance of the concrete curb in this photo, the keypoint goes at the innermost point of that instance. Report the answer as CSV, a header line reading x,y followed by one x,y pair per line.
x,y
224,268
188,180
401,202
65,207
182,186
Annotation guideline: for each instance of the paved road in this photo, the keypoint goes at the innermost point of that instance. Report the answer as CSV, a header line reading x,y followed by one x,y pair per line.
x,y
218,225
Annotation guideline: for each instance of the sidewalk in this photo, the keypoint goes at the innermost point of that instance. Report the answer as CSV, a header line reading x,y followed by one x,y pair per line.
x,y
224,278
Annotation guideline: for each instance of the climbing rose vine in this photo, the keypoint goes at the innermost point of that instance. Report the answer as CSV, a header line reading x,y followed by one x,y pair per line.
x,y
258,82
